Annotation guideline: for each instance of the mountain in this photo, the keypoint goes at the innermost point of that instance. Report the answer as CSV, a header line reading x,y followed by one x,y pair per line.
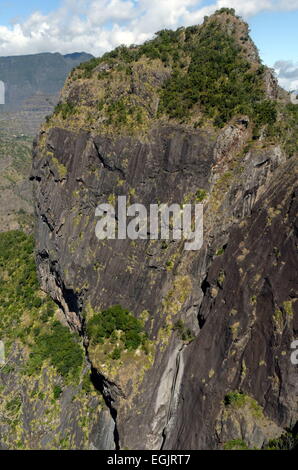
x,y
32,86
34,81
179,349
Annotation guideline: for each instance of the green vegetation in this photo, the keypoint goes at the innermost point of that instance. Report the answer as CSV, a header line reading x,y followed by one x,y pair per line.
x,y
219,78
213,75
60,347
285,129
116,354
27,315
236,444
17,147
211,78
235,398
288,308
15,165
107,324
87,385
43,359
57,390
288,441
19,290
123,111
186,334
229,11
163,47
62,170
65,109
14,405
238,399
200,195
87,67
265,112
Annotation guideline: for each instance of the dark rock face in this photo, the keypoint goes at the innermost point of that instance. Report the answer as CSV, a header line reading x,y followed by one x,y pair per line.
x,y
241,305
171,164
245,342
220,321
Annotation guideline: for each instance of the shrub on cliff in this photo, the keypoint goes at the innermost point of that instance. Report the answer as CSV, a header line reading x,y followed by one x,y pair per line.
x,y
60,348
65,109
103,326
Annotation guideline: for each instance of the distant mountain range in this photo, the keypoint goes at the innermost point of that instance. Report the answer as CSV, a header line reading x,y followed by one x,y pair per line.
x,y
34,81
32,87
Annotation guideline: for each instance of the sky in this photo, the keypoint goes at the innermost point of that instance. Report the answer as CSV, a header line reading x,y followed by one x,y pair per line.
x,y
97,26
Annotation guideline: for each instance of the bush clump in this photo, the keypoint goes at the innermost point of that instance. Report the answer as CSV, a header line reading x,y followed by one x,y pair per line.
x,y
236,444
235,398
57,391
65,109
103,326
186,334
287,441
60,348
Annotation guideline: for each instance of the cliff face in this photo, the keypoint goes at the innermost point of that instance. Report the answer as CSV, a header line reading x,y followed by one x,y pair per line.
x,y
216,367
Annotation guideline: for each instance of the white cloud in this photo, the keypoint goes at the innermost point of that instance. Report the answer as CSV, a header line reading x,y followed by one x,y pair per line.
x,y
287,73
99,25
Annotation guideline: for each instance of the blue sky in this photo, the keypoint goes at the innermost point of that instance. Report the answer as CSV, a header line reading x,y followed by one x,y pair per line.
x,y
276,35
14,9
99,25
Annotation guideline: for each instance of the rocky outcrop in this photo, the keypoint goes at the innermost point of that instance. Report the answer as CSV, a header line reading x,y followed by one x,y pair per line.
x,y
247,331
236,298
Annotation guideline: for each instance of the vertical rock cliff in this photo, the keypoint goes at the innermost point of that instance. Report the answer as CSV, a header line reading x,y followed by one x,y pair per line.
x,y
191,116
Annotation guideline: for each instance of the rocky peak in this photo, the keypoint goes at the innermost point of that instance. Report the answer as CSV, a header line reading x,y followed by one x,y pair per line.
x,y
183,118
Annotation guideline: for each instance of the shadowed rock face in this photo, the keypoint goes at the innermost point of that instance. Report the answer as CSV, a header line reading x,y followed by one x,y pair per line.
x,y
245,341
230,303
236,297
169,165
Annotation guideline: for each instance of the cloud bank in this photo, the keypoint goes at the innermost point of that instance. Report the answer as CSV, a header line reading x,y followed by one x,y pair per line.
x,y
287,73
97,26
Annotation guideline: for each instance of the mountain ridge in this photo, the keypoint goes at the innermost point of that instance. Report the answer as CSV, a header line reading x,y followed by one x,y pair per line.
x,y
166,121
183,350
29,99
27,75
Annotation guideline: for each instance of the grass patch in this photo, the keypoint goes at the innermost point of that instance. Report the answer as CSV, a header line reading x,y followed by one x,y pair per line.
x,y
238,399
236,444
